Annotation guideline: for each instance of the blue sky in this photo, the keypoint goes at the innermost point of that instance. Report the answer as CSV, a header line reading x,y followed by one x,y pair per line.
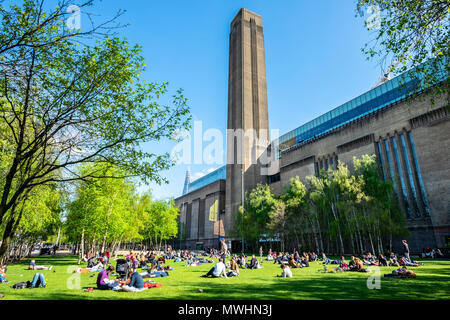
x,y
313,59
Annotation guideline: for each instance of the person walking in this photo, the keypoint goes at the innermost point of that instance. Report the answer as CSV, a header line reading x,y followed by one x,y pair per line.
x,y
406,251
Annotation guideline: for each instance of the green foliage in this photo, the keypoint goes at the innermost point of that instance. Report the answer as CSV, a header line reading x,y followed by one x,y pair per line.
x,y
108,210
338,210
70,99
259,208
410,33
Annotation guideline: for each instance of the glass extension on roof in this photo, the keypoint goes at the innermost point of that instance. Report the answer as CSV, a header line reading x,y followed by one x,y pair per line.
x,y
219,174
377,98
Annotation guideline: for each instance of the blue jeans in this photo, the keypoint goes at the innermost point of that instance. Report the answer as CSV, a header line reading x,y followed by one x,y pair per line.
x,y
38,280
108,286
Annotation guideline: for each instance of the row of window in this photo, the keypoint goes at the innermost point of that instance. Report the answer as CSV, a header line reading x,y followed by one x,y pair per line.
x,y
376,98
330,162
398,159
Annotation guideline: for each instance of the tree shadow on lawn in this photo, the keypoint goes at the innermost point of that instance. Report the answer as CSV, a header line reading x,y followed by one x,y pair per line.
x,y
49,260
325,288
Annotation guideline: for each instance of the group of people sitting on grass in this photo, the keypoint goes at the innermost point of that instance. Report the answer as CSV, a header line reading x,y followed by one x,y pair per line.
x,y
294,259
135,283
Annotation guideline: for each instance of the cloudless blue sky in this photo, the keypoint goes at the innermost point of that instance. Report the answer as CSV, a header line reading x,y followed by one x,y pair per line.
x,y
313,59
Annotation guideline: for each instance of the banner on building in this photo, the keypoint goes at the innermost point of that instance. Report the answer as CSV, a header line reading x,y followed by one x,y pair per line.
x,y
214,211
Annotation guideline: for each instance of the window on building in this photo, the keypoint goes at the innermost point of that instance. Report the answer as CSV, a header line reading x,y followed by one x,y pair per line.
x,y
400,174
419,176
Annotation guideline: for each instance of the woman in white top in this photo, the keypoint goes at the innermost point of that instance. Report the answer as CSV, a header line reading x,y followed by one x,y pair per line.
x,y
287,273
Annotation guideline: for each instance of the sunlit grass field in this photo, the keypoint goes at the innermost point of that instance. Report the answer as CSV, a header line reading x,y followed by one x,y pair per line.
x,y
432,282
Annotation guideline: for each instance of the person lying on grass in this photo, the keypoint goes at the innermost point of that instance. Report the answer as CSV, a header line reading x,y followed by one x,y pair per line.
x,y
38,281
286,273
217,271
33,266
155,272
103,281
95,268
402,273
404,262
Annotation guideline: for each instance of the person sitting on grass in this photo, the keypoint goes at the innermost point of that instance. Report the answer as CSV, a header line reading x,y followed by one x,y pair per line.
x,y
286,273
343,265
393,261
325,260
242,261
103,281
189,260
33,266
136,283
234,267
217,271
352,262
357,265
3,269
296,256
279,258
370,260
304,262
382,261
142,261
253,263
313,256
292,263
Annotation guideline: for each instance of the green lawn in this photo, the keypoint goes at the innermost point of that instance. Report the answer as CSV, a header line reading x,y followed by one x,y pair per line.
x,y
432,282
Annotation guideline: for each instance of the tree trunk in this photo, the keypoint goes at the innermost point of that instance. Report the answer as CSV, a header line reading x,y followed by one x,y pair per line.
x,y
81,256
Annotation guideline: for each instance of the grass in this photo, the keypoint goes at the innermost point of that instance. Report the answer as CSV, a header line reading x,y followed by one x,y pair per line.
x,y
432,282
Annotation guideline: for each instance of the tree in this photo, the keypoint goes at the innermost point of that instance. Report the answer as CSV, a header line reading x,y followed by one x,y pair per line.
x,y
103,211
64,103
160,222
411,34
34,219
381,204
253,220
